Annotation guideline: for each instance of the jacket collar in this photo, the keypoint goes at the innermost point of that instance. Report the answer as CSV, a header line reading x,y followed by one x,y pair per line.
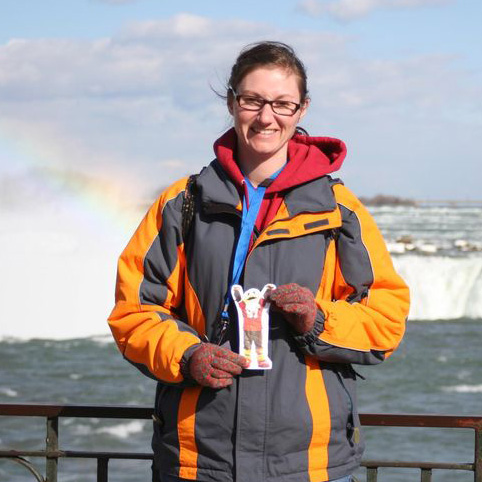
x,y
314,196
218,193
216,190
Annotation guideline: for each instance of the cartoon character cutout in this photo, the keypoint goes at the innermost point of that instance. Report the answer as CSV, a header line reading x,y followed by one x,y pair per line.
x,y
253,324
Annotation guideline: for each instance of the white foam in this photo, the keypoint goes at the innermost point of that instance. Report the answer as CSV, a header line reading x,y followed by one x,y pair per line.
x,y
123,430
61,272
103,340
463,389
9,392
81,429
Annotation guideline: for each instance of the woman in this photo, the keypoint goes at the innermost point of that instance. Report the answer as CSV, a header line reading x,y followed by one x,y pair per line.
x,y
265,212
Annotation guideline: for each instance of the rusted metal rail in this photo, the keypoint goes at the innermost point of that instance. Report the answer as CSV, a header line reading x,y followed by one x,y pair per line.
x,y
52,452
426,421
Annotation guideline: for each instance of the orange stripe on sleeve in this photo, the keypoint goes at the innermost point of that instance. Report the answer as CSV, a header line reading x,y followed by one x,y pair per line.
x,y
142,335
377,322
174,282
186,433
325,290
193,308
320,412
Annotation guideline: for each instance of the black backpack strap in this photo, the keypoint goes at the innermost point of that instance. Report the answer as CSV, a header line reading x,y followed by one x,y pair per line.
x,y
188,205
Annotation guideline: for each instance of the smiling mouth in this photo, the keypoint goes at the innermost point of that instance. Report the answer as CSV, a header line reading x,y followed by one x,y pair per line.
x,y
264,132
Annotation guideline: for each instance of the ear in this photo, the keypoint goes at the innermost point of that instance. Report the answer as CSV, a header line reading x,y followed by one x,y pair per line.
x,y
304,107
230,101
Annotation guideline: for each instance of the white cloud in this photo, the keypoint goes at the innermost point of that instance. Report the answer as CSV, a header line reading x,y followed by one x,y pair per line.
x,y
137,98
140,103
346,10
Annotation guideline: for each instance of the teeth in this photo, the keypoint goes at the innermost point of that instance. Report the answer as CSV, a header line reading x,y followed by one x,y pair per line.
x,y
264,131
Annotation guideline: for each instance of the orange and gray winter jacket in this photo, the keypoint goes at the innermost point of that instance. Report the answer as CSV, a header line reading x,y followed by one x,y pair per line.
x,y
297,422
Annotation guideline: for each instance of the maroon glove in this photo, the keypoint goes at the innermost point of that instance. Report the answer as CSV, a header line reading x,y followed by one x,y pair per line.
x,y
297,305
214,366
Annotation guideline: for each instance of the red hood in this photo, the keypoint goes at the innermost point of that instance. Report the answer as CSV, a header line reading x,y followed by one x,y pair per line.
x,y
309,158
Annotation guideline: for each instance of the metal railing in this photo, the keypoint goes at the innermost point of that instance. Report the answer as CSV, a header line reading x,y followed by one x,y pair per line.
x,y
426,421
53,453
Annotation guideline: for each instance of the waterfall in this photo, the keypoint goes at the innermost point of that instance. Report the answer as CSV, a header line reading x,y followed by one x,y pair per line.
x,y
442,287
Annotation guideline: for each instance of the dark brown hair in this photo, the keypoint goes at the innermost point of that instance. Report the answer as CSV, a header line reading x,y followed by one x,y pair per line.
x,y
264,54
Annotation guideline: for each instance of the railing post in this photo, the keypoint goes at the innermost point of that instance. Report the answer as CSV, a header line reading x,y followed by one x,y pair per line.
x,y
102,469
52,445
478,454
372,474
426,475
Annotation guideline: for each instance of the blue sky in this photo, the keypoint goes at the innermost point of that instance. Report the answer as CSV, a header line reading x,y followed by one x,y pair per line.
x,y
120,90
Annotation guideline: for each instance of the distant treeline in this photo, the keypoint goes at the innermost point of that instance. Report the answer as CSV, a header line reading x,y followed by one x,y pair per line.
x,y
387,200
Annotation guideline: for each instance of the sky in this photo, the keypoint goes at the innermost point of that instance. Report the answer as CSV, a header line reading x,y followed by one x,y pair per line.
x,y
121,93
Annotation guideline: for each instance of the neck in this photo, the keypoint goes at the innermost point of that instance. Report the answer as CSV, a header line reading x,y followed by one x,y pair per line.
x,y
258,172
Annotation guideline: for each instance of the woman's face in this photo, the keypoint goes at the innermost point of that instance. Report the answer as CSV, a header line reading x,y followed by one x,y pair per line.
x,y
264,135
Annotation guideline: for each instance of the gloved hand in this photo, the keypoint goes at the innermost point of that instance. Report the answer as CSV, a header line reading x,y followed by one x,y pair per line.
x,y
214,366
297,304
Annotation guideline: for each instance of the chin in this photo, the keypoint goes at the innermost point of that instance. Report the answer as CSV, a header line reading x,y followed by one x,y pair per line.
x,y
265,146
264,151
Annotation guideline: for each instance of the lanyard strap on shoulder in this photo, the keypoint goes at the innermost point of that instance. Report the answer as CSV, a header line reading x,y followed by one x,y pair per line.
x,y
250,215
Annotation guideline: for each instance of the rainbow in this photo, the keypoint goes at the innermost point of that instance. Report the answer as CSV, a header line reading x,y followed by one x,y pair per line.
x,y
98,199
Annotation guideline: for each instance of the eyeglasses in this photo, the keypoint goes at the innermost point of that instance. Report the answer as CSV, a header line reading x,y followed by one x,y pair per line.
x,y
253,103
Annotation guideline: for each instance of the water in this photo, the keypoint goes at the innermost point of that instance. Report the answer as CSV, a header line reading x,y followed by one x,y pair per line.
x,y
80,371
435,370
441,230
54,295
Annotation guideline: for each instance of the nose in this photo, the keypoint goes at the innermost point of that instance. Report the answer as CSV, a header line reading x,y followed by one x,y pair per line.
x,y
266,114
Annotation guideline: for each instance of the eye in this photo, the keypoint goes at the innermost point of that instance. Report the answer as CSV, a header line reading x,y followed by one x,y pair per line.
x,y
252,101
284,104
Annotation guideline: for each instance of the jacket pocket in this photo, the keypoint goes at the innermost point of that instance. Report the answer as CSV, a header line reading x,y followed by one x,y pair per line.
x,y
347,379
166,407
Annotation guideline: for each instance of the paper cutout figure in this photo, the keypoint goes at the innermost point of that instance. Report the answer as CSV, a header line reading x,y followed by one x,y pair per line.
x,y
253,324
